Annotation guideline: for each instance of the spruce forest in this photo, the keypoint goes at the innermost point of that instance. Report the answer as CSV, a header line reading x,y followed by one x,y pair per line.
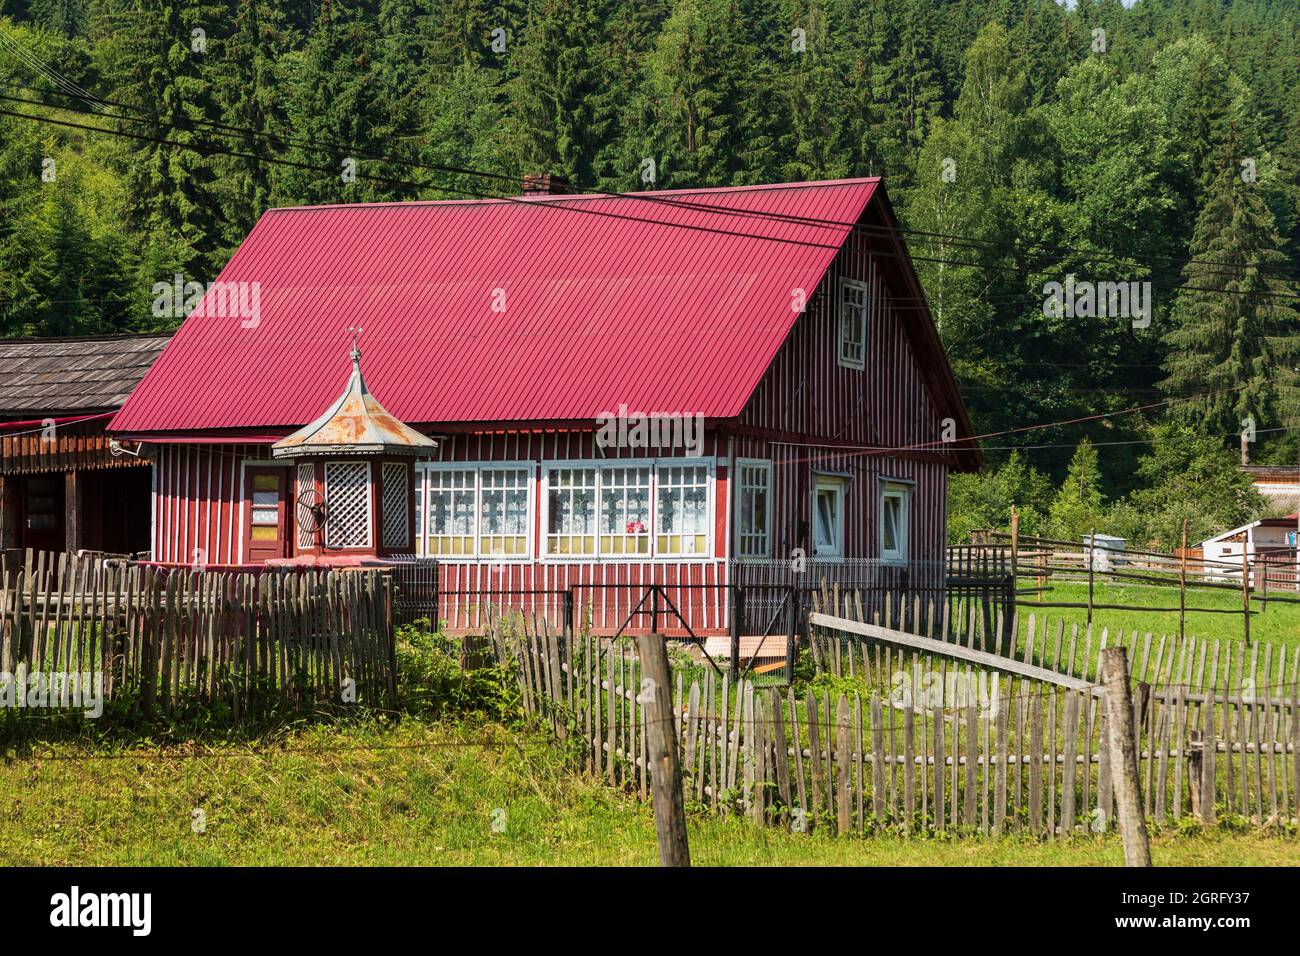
x,y
1023,143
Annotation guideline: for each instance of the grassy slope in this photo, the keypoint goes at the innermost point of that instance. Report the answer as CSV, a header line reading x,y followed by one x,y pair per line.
x,y
421,794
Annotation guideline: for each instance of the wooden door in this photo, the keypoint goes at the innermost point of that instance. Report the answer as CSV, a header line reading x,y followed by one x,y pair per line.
x,y
267,527
41,504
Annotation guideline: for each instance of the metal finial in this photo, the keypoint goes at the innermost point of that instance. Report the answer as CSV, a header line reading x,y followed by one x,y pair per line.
x,y
355,354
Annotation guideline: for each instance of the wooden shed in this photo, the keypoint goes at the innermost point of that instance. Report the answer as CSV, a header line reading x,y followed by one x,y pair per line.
x,y
63,484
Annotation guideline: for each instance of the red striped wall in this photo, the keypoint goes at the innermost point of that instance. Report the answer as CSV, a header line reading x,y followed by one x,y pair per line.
x,y
816,404
198,502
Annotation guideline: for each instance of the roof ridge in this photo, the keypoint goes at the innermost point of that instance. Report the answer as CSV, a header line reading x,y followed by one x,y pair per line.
x,y
568,197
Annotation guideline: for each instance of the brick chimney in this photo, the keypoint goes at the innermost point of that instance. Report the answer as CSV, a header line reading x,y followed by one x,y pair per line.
x,y
545,184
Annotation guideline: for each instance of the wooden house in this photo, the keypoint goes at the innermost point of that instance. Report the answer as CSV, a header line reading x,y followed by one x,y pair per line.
x,y
63,485
695,388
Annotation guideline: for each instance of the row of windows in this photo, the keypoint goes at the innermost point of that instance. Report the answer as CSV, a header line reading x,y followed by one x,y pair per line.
x,y
661,509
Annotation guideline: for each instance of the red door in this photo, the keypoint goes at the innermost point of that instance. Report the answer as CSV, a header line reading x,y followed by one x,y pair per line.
x,y
266,531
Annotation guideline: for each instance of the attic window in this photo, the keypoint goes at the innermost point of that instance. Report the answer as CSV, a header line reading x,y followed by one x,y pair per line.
x,y
853,323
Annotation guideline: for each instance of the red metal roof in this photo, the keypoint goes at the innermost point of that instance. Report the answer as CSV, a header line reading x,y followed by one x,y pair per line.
x,y
660,305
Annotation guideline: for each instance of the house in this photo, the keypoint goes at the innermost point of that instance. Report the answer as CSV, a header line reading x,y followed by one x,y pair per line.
x,y
63,484
698,388
1269,540
1278,484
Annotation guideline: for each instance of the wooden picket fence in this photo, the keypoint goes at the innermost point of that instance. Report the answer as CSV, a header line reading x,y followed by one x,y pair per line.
x,y
172,634
918,743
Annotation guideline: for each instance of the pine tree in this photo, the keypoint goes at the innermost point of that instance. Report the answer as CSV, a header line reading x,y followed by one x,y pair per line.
x,y
1239,344
160,63
246,95
1078,506
700,108
339,117
556,73
815,99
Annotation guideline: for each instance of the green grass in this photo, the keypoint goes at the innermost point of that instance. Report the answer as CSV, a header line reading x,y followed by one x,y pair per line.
x,y
1275,622
427,793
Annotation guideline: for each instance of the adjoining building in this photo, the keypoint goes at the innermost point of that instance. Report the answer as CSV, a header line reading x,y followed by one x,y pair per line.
x,y
64,484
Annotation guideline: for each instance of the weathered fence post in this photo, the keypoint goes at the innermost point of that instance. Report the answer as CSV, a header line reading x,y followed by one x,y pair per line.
x,y
736,622
1123,757
792,634
1092,560
1182,587
665,774
1245,588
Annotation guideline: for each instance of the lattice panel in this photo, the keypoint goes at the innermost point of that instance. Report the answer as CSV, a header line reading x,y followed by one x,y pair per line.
x,y
347,504
395,506
306,482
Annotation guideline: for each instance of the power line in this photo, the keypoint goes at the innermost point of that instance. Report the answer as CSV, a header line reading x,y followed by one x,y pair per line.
x,y
677,202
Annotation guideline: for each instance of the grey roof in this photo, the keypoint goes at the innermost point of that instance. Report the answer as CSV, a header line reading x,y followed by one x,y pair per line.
x,y
92,374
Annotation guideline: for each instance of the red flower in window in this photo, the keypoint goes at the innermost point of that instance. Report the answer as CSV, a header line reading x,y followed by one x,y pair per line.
x,y
635,527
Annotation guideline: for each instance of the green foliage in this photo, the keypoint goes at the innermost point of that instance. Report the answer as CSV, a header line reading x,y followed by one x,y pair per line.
x,y
984,500
1077,508
1193,477
1016,153
432,680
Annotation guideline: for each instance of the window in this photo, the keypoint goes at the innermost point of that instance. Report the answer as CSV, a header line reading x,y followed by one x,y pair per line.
x,y
853,323
828,517
396,533
451,512
753,508
571,511
625,511
642,509
266,507
503,512
683,505
894,500
347,504
475,511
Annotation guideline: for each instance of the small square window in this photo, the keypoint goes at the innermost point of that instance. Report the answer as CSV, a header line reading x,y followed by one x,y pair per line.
x,y
853,299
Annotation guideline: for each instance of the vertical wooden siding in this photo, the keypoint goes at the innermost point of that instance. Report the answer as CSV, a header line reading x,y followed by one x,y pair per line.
x,y
808,396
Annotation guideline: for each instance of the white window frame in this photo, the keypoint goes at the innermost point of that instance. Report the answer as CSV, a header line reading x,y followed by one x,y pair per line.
x,y
654,464
840,485
424,492
901,490
842,311
742,536
544,543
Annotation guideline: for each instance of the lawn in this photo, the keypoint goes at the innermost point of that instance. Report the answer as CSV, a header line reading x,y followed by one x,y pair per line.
x,y
437,794
1273,621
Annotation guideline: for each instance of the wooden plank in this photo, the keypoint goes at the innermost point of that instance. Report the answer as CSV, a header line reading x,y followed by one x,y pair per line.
x,y
949,650
1069,770
1035,763
877,759
802,821
1000,771
782,755
843,821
